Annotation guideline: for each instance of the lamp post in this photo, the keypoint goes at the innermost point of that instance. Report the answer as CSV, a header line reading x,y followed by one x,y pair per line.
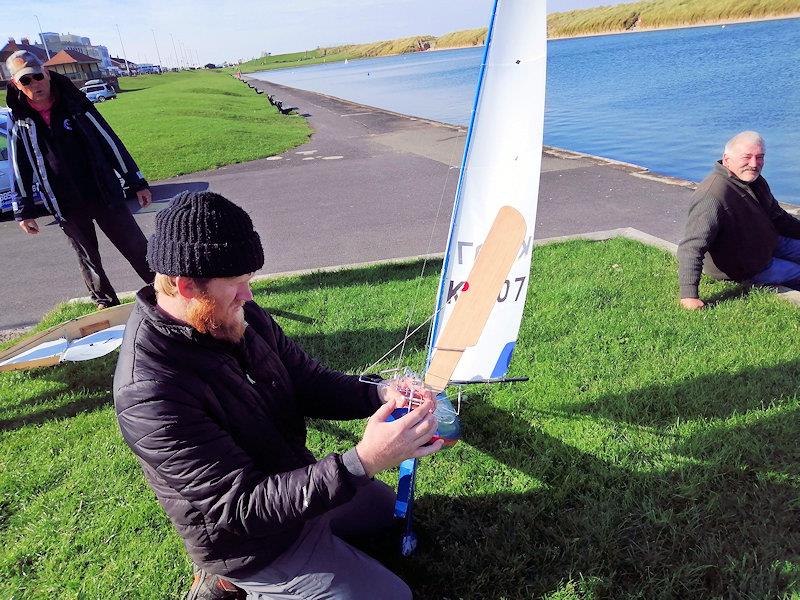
x,y
183,54
41,35
158,54
175,53
127,64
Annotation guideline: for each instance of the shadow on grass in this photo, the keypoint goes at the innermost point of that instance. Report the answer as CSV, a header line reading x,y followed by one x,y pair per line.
x,y
345,350
717,527
285,314
334,430
61,412
735,293
719,395
372,275
92,378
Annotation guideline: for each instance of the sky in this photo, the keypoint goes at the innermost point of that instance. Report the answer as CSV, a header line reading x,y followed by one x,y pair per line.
x,y
213,31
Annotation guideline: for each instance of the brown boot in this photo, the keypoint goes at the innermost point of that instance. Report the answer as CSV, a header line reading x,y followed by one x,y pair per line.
x,y
213,587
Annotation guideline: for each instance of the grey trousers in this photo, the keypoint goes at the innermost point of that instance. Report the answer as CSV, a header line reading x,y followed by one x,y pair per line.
x,y
321,565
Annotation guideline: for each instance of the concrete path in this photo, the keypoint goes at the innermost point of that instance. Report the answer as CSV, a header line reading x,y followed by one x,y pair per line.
x,y
368,186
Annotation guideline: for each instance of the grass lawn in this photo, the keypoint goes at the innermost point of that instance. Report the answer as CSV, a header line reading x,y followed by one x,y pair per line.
x,y
179,123
653,454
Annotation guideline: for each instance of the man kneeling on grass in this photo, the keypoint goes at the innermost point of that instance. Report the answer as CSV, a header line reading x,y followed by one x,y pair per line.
x,y
212,396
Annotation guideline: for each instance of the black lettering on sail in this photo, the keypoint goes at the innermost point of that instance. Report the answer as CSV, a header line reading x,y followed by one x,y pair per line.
x,y
452,290
526,247
461,245
521,282
501,297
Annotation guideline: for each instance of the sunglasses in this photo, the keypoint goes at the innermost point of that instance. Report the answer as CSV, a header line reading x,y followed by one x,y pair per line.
x,y
26,79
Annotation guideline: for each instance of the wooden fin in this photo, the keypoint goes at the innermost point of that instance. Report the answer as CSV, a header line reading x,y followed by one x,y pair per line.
x,y
71,330
477,299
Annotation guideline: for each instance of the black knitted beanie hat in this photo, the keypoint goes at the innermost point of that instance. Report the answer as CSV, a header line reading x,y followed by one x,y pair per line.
x,y
202,234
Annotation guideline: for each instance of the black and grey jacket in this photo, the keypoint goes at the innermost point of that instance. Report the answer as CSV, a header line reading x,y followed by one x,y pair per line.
x,y
220,433
59,165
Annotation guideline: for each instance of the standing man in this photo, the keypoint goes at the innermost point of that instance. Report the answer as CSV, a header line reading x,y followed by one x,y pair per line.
x,y
736,219
212,398
61,148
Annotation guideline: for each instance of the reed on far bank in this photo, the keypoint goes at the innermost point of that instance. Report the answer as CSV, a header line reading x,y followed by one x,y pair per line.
x,y
636,16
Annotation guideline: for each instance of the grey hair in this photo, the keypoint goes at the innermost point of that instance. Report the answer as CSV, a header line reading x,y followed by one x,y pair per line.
x,y
752,137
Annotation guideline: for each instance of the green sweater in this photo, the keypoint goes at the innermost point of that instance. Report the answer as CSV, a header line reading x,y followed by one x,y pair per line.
x,y
737,223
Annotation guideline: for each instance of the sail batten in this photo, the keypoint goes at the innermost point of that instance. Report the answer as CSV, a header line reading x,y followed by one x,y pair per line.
x,y
501,165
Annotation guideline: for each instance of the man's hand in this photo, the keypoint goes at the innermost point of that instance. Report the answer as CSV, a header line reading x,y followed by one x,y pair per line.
x,y
692,303
29,226
398,390
145,197
386,445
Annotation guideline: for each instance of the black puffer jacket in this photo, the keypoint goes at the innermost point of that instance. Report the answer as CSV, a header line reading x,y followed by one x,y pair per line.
x,y
220,433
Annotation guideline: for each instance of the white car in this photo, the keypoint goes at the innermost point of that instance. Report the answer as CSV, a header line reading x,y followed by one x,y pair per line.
x,y
99,92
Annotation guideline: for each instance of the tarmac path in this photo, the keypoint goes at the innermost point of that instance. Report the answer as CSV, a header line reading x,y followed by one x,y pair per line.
x,y
366,187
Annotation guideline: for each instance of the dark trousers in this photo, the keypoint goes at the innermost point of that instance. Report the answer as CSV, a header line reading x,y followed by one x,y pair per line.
x,y
117,222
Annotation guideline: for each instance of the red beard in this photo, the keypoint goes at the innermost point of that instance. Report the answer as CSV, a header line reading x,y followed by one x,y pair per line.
x,y
204,314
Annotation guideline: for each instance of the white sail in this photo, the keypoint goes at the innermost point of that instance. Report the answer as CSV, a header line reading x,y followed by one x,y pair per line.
x,y
501,165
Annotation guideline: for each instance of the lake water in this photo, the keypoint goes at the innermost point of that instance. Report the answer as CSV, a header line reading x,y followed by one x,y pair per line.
x,y
667,100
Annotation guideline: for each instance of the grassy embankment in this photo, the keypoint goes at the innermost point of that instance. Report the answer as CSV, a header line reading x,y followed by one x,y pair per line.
x,y
652,455
649,14
179,123
472,37
658,14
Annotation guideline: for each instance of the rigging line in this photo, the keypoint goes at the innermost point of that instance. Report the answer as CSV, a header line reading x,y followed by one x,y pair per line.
x,y
397,345
403,341
450,168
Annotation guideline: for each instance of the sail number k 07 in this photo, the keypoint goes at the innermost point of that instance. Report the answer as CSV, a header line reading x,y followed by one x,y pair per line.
x,y
508,289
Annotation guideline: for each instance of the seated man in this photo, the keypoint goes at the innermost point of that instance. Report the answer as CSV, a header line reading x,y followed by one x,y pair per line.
x,y
212,398
736,219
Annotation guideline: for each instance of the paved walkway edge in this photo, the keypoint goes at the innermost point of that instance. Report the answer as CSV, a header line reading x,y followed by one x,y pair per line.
x,y
630,233
787,294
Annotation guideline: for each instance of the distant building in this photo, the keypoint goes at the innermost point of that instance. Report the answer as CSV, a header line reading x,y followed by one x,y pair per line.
x,y
119,64
57,42
79,67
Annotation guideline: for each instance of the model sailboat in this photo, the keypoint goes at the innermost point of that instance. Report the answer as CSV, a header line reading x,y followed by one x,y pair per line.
x,y
84,338
487,262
